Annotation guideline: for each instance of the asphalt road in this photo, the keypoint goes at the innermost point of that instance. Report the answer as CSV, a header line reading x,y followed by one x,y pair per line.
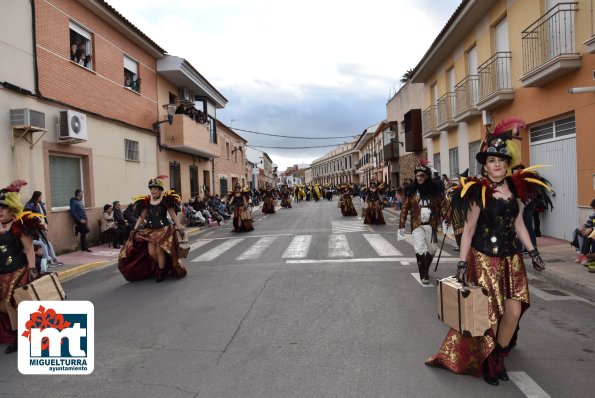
x,y
309,304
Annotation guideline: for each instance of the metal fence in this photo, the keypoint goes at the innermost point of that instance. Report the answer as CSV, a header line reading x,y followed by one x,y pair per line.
x,y
428,119
467,94
494,75
446,108
551,36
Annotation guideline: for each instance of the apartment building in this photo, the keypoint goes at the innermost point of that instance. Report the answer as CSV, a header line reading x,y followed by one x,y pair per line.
x,y
337,166
230,166
81,88
370,147
523,59
406,146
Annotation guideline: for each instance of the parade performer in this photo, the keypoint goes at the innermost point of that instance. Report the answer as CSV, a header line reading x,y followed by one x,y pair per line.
x,y
346,202
239,200
424,199
269,202
316,193
17,258
457,216
286,198
373,203
490,254
152,252
308,192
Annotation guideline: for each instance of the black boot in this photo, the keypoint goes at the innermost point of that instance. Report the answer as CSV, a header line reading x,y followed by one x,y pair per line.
x,y
490,366
420,264
160,276
501,353
427,264
13,347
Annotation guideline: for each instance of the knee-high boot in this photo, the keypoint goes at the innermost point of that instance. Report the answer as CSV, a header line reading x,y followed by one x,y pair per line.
x,y
420,264
428,263
501,352
13,347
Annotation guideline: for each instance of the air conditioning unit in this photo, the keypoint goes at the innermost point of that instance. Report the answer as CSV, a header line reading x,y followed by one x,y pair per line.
x,y
184,93
27,118
73,126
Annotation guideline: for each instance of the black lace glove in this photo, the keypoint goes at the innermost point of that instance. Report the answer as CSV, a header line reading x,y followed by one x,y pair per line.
x,y
462,272
538,263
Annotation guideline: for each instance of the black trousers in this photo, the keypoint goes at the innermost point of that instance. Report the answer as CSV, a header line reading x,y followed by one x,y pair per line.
x,y
83,230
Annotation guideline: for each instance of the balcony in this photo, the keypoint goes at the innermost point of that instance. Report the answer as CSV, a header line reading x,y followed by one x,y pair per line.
x,y
446,110
428,121
391,151
549,46
495,87
467,94
186,135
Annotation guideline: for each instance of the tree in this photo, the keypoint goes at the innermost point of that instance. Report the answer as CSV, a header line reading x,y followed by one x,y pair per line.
x,y
407,75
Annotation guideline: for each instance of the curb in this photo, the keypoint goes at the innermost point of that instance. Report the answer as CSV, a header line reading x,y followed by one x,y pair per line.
x,y
560,281
80,269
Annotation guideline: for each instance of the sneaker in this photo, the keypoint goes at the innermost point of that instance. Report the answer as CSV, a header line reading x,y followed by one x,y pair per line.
x,y
581,259
425,281
87,250
57,263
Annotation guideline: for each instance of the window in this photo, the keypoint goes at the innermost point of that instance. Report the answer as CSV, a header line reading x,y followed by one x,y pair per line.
x,y
81,45
131,150
552,130
65,178
474,167
227,150
174,177
437,162
213,130
131,79
453,159
193,181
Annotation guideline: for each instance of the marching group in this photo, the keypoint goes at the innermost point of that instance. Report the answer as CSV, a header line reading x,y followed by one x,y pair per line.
x,y
486,214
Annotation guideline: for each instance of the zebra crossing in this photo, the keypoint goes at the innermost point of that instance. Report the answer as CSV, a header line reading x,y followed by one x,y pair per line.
x,y
339,227
296,248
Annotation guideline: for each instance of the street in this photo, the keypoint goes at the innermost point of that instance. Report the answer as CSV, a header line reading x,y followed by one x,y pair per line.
x,y
309,304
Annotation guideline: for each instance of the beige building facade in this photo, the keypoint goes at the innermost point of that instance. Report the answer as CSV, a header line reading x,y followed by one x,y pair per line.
x,y
337,166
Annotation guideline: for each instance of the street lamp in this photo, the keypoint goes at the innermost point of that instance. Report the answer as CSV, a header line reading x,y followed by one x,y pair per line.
x,y
171,110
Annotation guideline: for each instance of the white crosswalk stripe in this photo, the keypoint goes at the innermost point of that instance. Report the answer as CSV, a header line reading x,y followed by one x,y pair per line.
x,y
338,246
381,245
258,248
339,227
298,248
218,250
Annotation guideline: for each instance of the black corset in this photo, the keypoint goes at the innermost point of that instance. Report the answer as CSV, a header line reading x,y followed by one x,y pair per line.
x,y
156,216
495,234
373,196
12,256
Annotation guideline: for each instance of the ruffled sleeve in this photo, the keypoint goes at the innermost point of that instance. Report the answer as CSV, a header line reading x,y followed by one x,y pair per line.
x,y
29,224
140,202
171,199
529,185
476,191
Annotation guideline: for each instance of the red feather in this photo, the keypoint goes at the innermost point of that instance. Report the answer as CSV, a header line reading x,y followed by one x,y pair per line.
x,y
424,162
161,177
16,186
510,123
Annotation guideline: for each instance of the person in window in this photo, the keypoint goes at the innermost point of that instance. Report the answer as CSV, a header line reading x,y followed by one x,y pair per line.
x,y
36,205
79,215
490,255
18,228
152,252
73,54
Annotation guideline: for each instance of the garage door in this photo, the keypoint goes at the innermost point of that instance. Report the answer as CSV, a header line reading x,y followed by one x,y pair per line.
x,y
555,144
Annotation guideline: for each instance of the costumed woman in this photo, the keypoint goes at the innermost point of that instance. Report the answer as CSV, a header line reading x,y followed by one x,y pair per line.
x,y
152,252
316,193
286,198
17,258
424,199
239,200
490,255
373,203
457,216
268,196
346,202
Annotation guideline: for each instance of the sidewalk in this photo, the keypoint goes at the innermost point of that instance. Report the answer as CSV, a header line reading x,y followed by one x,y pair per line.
x,y
561,270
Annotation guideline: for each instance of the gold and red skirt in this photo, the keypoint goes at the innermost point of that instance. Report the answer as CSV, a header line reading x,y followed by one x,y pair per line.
x,y
347,207
8,283
268,207
505,278
241,220
135,263
374,214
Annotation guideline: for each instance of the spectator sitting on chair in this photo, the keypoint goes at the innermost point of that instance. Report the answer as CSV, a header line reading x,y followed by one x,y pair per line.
x,y
79,215
109,225
581,240
122,225
129,215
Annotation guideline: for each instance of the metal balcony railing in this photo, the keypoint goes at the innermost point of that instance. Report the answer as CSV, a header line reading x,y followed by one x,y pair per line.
x,y
446,108
551,36
494,75
428,119
467,94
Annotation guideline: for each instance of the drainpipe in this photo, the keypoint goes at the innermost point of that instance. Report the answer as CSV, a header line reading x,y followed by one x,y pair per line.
x,y
34,39
213,176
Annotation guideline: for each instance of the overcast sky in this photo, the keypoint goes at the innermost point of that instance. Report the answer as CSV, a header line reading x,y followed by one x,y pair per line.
x,y
309,68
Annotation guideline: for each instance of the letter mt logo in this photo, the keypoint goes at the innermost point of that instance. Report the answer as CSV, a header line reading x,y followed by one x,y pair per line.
x,y
56,337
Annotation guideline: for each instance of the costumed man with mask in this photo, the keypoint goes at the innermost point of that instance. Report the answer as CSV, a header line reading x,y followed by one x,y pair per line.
x,y
239,201
425,201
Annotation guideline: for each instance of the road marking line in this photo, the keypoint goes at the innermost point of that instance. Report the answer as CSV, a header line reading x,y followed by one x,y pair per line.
x,y
362,260
338,246
256,250
199,243
527,385
244,237
381,245
298,248
217,251
415,276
